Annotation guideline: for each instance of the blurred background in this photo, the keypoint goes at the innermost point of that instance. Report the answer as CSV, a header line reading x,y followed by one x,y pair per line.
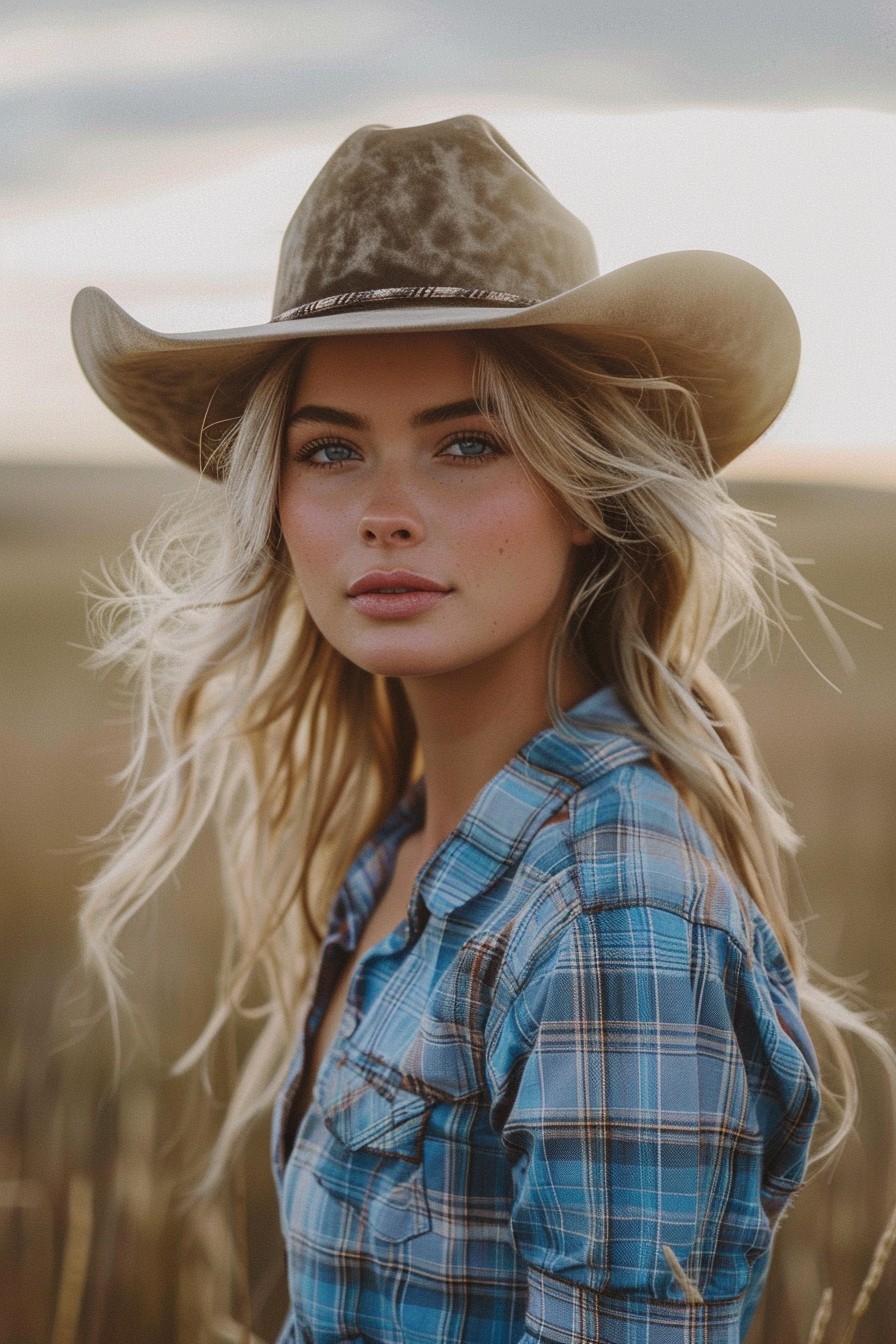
x,y
158,151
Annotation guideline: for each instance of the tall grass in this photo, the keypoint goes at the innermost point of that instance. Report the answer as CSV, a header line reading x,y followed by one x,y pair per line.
x,y
95,1244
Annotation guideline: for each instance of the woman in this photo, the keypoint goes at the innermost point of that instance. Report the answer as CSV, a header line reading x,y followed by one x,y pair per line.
x,y
438,665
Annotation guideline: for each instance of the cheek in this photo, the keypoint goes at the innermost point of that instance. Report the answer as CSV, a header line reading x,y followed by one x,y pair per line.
x,y
516,536
314,543
311,532
313,551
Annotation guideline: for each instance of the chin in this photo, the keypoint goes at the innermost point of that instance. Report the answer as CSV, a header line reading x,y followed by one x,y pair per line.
x,y
401,665
401,657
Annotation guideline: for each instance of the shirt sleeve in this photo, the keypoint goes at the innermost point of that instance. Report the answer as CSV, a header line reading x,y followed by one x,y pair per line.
x,y
642,1086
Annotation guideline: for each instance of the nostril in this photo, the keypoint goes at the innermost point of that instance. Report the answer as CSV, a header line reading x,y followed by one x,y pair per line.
x,y
385,532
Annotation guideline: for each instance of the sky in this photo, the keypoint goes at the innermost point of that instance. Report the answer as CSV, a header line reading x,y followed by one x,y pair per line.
x,y
158,151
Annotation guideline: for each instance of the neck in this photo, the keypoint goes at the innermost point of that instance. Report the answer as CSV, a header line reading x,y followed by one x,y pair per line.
x,y
471,722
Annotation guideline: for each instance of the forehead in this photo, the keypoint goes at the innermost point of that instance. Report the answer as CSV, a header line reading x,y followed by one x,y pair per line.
x,y
412,367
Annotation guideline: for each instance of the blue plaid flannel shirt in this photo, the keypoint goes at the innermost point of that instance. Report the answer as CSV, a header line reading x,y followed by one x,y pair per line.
x,y
575,1052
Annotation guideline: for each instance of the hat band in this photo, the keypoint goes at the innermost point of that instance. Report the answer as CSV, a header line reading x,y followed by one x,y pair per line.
x,y
382,298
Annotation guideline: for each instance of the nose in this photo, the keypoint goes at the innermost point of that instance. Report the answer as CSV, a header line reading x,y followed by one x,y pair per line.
x,y
390,524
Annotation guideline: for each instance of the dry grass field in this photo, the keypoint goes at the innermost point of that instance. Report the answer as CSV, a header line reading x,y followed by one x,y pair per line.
x,y
94,1247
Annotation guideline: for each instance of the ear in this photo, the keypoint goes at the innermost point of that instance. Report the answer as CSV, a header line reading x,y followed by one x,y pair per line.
x,y
580,535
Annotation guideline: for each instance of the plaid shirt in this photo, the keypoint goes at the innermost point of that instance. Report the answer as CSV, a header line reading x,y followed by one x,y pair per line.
x,y
578,1049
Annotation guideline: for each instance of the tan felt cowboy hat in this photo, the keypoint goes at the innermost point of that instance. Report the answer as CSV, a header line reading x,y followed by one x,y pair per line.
x,y
444,227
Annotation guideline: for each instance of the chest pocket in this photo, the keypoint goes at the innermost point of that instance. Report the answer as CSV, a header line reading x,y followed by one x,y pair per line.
x,y
374,1162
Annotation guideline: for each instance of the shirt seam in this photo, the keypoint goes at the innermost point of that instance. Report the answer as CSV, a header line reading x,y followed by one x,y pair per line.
x,y
629,1296
556,930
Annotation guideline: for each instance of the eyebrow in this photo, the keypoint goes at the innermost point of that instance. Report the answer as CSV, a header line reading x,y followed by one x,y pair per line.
x,y
433,415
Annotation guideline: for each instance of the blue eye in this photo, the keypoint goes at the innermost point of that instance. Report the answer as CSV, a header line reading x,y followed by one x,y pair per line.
x,y
327,453
470,448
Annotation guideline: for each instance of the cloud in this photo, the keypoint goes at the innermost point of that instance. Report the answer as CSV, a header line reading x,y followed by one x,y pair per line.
x,y
119,49
70,75
706,47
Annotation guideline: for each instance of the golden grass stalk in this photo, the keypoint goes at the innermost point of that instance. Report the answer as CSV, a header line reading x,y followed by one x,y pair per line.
x,y
240,1208
75,1258
822,1317
205,1273
30,1199
872,1278
29,1196
688,1287
228,1330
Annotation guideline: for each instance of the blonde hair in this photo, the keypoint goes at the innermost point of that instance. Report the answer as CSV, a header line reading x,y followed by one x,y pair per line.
x,y
247,716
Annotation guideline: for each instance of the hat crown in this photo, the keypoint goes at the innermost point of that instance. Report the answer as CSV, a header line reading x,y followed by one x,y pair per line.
x,y
450,205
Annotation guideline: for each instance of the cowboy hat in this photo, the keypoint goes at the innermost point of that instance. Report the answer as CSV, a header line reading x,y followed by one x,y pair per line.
x,y
443,227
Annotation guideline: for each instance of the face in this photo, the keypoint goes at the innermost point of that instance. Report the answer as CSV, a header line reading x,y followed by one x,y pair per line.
x,y
420,545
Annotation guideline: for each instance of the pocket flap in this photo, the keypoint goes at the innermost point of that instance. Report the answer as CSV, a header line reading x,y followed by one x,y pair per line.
x,y
367,1110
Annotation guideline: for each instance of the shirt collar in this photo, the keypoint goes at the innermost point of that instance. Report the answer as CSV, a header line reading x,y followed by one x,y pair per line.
x,y
599,735
372,869
536,783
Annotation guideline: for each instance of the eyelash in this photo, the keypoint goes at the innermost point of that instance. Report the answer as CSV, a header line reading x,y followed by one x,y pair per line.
x,y
460,436
306,453
479,436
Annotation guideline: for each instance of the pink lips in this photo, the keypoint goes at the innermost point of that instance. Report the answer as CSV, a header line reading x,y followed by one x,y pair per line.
x,y
395,593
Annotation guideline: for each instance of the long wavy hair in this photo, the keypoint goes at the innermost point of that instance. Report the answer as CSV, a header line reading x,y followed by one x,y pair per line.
x,y
245,715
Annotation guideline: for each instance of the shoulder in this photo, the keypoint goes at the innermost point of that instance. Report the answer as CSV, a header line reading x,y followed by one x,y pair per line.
x,y
628,853
628,840
630,928
635,843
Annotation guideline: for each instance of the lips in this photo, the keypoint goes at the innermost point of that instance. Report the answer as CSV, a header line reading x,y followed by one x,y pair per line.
x,y
394,581
395,594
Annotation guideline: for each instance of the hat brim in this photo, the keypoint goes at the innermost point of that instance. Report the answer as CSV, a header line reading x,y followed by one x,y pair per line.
x,y
709,320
